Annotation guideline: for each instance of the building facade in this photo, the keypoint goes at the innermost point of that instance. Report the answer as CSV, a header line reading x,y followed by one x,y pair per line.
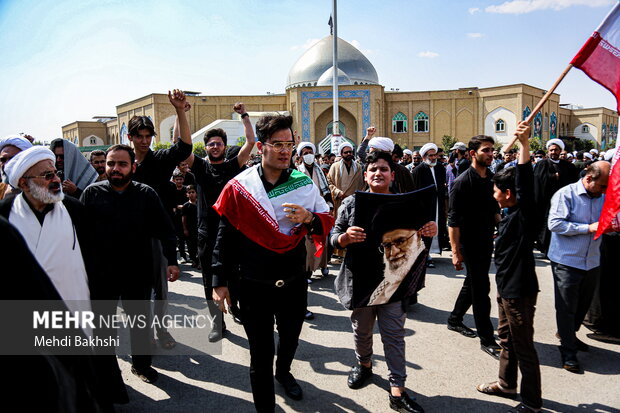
x,y
411,119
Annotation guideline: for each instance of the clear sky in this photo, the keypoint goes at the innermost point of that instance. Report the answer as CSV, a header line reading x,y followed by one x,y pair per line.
x,y
62,61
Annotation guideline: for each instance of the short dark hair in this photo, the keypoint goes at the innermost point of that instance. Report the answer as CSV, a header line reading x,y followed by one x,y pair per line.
x,y
211,133
122,147
98,152
505,179
476,142
398,151
140,122
270,124
373,157
177,174
580,155
56,143
539,152
190,187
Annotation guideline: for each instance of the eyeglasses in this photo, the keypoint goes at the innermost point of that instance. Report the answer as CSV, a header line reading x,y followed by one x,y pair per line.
x,y
48,176
281,146
215,144
398,243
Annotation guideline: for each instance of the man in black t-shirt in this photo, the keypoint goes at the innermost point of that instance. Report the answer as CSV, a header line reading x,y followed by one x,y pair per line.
x,y
471,220
179,199
190,225
211,177
154,168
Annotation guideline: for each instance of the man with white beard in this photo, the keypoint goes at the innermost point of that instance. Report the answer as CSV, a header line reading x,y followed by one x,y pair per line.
x,y
57,232
48,225
401,248
424,175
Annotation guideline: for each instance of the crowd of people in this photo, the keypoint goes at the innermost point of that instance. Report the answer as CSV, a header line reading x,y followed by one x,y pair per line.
x,y
278,203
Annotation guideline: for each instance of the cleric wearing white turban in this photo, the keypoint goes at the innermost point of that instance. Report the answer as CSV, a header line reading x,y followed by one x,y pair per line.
x,y
344,145
427,147
19,142
17,167
51,240
303,145
557,142
381,143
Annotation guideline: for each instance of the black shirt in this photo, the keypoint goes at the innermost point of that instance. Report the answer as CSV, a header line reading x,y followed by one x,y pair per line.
x,y
234,253
514,256
127,221
190,212
472,207
157,167
210,180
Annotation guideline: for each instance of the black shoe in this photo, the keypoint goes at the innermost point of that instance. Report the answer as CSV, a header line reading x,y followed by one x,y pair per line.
x,y
325,271
358,376
216,335
461,328
404,404
291,387
571,365
147,374
493,350
309,315
430,264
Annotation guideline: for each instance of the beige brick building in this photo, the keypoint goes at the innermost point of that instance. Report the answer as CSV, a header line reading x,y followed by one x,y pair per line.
x,y
409,118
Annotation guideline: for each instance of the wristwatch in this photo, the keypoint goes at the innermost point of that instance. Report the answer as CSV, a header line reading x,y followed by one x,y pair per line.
x,y
244,115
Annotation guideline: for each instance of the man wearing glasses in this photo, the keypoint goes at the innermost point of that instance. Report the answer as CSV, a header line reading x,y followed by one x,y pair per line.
x,y
211,175
52,225
267,211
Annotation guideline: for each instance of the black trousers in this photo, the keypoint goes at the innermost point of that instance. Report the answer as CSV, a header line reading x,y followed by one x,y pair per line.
x,y
260,306
475,290
135,294
574,289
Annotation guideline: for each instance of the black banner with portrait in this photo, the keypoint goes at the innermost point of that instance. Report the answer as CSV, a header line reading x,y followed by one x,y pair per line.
x,y
391,263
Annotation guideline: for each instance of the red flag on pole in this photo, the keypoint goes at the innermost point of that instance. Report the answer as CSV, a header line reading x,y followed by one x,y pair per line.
x,y
599,58
610,215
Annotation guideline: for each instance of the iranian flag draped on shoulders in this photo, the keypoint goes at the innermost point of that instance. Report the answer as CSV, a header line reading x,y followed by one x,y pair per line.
x,y
599,58
259,214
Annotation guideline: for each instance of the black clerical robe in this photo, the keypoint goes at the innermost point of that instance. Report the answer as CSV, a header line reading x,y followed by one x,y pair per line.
x,y
546,183
422,178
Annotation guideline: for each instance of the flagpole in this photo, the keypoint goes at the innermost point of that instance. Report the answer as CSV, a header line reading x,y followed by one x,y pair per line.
x,y
540,104
335,124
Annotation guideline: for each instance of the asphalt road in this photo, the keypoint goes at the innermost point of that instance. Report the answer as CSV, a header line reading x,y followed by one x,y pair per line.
x,y
443,367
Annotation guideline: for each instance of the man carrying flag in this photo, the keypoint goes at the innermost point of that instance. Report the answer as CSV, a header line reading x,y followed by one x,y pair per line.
x,y
266,213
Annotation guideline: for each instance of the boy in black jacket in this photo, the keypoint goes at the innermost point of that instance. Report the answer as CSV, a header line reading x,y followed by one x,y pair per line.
x,y
517,285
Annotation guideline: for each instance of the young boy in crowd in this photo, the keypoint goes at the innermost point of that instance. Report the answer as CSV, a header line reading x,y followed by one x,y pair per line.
x,y
517,285
190,225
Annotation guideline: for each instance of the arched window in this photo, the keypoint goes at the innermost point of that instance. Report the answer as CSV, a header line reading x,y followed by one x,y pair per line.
x,y
341,128
93,140
500,126
585,129
420,123
399,123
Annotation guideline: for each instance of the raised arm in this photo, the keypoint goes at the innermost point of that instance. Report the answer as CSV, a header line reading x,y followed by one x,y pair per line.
x,y
178,100
250,138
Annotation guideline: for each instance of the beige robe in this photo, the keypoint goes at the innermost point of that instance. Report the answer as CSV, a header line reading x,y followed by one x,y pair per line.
x,y
343,183
313,263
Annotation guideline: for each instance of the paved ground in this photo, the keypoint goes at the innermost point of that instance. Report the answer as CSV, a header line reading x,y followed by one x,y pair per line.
x,y
443,367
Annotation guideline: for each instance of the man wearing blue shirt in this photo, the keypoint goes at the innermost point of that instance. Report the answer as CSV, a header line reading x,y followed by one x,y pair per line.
x,y
575,255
